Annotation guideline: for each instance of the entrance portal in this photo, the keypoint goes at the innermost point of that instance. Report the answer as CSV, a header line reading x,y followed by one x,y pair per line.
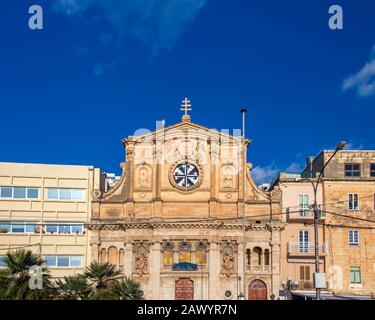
x,y
184,289
257,290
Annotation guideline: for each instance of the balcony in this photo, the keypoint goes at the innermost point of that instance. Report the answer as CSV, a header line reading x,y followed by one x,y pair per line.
x,y
305,249
302,214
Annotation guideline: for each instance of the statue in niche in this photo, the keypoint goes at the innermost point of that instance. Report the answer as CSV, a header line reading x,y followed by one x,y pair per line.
x,y
228,261
141,263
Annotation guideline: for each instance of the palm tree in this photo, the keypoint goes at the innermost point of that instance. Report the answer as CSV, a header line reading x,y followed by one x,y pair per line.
x,y
73,288
128,289
100,275
17,276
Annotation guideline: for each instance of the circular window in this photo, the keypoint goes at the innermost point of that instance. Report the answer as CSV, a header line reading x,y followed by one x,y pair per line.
x,y
228,294
186,176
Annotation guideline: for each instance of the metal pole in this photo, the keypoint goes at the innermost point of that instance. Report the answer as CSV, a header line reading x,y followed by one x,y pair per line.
x,y
316,236
243,111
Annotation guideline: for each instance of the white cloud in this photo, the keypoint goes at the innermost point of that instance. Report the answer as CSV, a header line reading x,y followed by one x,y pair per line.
x,y
354,145
364,80
295,167
157,24
264,174
268,173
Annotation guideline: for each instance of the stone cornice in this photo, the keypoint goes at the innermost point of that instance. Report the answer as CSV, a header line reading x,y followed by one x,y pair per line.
x,y
185,225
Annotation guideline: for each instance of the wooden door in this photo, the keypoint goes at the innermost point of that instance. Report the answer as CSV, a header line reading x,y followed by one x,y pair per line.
x,y
184,289
257,290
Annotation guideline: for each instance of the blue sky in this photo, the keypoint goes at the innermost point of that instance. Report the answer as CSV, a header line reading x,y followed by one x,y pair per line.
x,y
99,70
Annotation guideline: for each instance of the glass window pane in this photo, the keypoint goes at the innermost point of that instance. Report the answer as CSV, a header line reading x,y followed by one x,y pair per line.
x,y
64,228
6,192
348,167
50,228
52,194
50,261
19,193
31,227
4,226
355,166
77,228
75,261
18,227
63,261
2,261
65,194
33,193
78,194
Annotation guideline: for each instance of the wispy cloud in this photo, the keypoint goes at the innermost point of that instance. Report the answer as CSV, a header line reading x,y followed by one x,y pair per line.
x,y
264,174
354,145
364,80
157,24
268,173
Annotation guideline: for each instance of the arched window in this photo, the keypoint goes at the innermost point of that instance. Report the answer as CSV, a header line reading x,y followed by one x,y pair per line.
x,y
248,256
184,254
257,256
168,254
266,257
112,256
201,257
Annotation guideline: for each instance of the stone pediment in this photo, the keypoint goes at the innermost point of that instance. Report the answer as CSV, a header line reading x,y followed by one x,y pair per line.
x,y
182,129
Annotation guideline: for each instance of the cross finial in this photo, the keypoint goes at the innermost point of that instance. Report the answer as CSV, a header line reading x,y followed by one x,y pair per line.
x,y
186,106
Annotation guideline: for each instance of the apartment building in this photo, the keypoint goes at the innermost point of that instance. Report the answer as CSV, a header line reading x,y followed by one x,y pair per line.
x,y
349,202
44,208
297,250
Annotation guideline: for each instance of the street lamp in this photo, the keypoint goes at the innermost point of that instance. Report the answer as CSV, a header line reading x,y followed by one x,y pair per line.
x,y
289,285
317,276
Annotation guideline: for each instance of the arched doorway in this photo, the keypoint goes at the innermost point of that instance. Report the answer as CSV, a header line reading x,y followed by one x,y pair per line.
x,y
184,289
257,290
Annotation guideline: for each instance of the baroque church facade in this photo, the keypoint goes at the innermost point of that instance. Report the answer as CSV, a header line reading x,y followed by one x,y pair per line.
x,y
174,220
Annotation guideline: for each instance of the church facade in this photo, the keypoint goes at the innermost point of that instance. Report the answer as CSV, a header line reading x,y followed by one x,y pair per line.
x,y
174,220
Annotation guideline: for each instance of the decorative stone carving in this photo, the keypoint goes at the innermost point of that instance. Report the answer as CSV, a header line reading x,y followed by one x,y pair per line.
x,y
228,264
141,264
228,260
96,194
141,258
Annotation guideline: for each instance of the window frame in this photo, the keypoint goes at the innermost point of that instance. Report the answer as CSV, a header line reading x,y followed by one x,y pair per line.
x,y
356,270
58,231
353,201
56,258
372,170
304,246
352,171
351,238
303,207
72,193
27,189
20,224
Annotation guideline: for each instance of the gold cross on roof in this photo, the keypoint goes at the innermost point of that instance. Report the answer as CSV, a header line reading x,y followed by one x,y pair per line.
x,y
186,106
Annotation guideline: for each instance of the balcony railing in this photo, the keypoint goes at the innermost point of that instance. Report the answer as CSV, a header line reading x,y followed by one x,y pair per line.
x,y
302,214
259,268
305,248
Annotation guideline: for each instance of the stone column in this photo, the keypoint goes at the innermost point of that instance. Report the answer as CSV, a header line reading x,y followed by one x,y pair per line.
x,y
214,271
94,243
128,259
275,267
154,269
240,257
